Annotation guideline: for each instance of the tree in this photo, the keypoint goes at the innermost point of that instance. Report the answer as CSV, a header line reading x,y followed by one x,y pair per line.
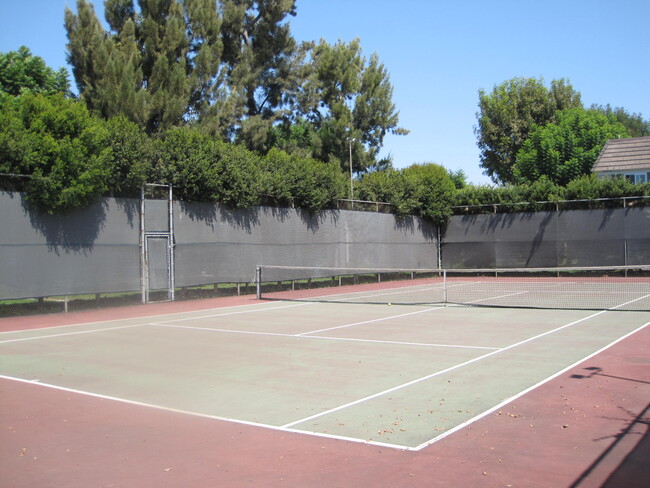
x,y
157,64
507,115
21,70
459,178
232,66
566,149
264,66
348,99
634,123
131,159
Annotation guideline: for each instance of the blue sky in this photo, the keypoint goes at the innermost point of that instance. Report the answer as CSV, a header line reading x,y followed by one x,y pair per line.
x,y
439,54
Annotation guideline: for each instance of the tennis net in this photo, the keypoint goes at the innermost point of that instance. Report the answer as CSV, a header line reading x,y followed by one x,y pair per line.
x,y
595,288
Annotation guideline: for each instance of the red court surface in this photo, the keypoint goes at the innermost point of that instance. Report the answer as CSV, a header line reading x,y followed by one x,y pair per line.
x,y
587,427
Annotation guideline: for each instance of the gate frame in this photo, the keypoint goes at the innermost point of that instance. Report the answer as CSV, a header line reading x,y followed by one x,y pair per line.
x,y
144,236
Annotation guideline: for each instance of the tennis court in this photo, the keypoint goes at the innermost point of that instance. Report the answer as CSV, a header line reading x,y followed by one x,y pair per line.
x,y
390,375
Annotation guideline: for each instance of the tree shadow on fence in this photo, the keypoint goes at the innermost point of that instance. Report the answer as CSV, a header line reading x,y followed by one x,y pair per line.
x,y
75,231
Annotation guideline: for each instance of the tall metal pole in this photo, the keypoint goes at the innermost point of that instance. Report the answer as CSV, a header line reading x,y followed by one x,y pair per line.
x,y
144,273
351,140
172,267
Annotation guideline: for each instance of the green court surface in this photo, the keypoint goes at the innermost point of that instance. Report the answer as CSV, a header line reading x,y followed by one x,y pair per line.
x,y
398,376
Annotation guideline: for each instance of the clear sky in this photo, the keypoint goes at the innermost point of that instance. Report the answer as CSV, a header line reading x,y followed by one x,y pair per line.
x,y
439,54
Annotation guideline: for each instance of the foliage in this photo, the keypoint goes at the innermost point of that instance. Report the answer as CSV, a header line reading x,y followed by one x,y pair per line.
x,y
428,192
264,66
131,158
634,123
507,115
458,177
591,187
301,182
21,70
564,150
425,190
380,186
59,144
348,99
149,67
523,197
205,169
233,68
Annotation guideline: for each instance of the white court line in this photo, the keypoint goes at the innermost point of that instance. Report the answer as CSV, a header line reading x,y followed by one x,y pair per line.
x,y
438,373
238,312
364,294
301,336
400,343
497,298
325,435
148,317
47,336
202,415
522,393
370,321
70,333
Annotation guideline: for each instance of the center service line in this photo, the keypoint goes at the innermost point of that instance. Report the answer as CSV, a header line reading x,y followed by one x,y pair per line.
x,y
438,373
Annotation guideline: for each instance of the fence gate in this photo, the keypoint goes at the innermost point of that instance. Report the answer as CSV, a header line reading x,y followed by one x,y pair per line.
x,y
156,244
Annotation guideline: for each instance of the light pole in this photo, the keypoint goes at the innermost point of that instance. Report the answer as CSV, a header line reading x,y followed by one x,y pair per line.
x,y
351,140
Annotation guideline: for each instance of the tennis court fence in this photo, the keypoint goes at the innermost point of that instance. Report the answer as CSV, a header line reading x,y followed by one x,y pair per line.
x,y
584,288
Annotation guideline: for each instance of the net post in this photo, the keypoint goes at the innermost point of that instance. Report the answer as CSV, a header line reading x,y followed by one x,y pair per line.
x,y
258,282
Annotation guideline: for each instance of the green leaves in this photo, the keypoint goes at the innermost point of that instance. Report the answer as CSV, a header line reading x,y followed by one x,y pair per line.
x,y
566,149
426,190
205,169
21,70
300,182
58,143
507,115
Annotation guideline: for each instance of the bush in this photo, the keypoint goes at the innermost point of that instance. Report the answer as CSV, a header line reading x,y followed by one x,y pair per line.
x,y
293,181
59,144
425,190
205,169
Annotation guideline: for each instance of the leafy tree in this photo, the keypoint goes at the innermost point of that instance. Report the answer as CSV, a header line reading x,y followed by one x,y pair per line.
x,y
348,99
508,113
634,123
299,138
458,177
428,192
59,144
21,70
381,186
566,149
232,65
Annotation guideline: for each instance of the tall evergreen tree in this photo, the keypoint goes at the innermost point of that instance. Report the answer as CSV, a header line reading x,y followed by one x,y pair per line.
x,y
349,101
154,66
264,68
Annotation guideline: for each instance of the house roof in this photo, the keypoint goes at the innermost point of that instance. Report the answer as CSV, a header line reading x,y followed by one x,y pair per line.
x,y
631,154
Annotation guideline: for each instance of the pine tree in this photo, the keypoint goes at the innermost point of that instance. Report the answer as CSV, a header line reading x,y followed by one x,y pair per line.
x,y
154,66
349,101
